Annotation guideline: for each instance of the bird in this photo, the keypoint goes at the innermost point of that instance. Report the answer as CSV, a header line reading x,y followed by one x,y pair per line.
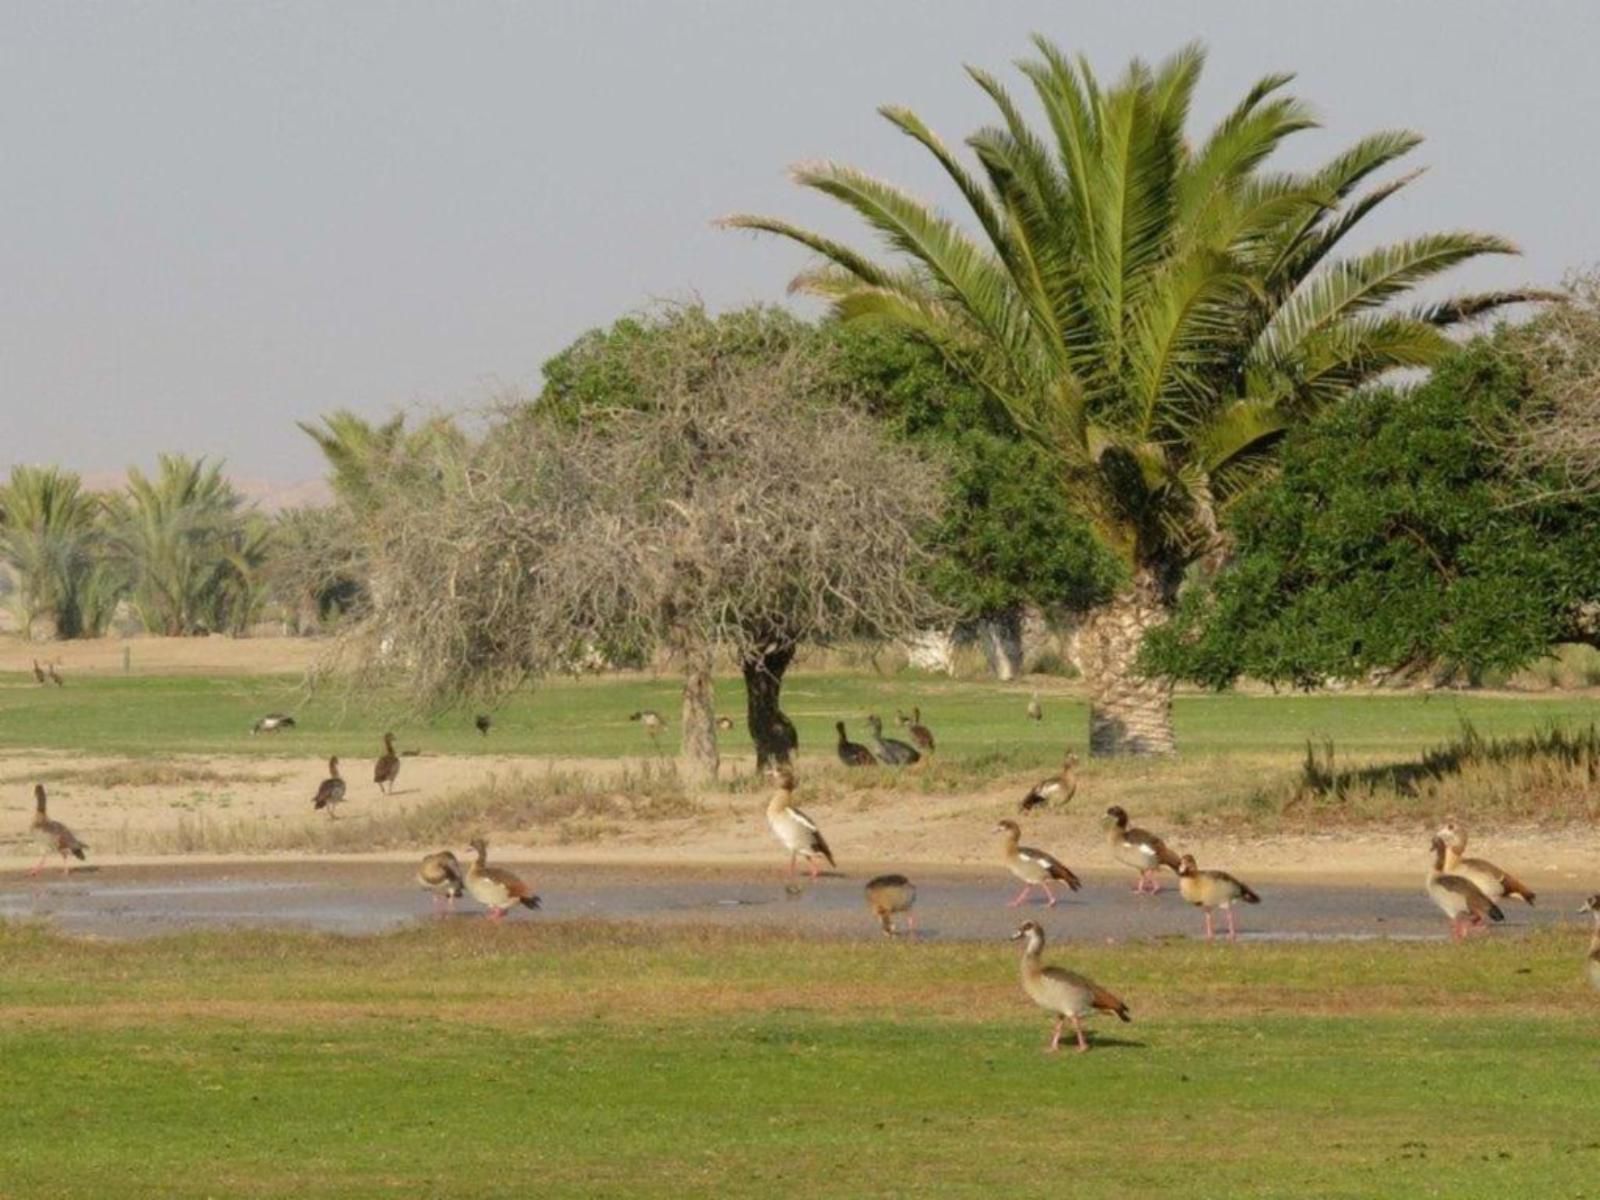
x,y
387,769
1212,890
1035,711
1066,993
331,790
920,733
798,832
852,754
1592,963
55,676
890,894
494,887
483,721
1139,849
272,723
1056,791
652,722
891,750
1458,898
38,673
1035,868
1491,880
53,837
724,723
441,874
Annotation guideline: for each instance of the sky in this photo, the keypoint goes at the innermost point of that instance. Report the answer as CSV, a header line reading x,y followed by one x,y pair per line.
x,y
219,219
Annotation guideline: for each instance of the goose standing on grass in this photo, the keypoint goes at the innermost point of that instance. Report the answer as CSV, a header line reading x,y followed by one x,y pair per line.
x,y
483,722
853,754
724,723
53,837
495,888
921,735
1066,993
1212,890
1035,711
1457,897
55,677
1591,965
1139,849
798,832
1034,867
1491,880
38,673
891,750
890,894
330,792
1057,791
273,723
441,874
387,769
653,724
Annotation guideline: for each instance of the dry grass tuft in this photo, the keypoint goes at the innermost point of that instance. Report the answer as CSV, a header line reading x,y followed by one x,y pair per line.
x,y
135,773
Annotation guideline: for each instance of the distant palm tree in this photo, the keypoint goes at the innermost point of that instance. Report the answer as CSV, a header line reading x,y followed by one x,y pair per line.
x,y
52,539
1156,313
362,456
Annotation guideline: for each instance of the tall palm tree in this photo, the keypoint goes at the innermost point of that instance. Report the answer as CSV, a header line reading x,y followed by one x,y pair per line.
x,y
1155,312
51,537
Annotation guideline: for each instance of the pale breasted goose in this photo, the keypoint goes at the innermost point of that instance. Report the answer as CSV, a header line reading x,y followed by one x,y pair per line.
x,y
1592,963
330,792
1066,993
724,723
441,874
853,754
1458,898
1491,880
387,769
892,750
494,887
1211,890
273,723
890,894
1035,868
798,832
53,837
1035,710
1057,791
653,724
1139,849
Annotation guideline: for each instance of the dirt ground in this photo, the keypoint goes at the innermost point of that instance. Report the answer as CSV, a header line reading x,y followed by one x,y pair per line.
x,y
164,655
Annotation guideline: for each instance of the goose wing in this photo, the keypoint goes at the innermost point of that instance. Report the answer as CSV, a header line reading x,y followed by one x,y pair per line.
x,y
1477,903
1053,866
1143,839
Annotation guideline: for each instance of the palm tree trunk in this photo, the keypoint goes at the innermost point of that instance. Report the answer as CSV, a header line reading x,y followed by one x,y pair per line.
x,y
1129,713
771,731
699,747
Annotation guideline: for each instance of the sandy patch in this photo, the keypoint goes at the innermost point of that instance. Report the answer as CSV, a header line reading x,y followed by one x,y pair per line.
x,y
163,655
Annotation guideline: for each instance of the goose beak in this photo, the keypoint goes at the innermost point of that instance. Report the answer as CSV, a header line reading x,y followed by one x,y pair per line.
x,y
1017,936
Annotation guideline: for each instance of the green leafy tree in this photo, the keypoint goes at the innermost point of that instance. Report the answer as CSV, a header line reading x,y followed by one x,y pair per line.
x,y
1154,310
1399,537
52,537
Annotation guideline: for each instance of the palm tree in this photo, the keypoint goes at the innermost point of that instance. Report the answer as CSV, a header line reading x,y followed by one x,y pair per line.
x,y
1155,312
50,536
362,456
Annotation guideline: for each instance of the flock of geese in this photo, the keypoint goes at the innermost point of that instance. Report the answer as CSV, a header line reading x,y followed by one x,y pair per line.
x,y
1466,890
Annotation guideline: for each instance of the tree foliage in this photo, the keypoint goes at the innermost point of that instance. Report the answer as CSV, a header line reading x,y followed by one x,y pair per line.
x,y
52,536
1558,437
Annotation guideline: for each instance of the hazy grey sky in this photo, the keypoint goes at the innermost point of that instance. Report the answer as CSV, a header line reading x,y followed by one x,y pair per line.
x,y
218,218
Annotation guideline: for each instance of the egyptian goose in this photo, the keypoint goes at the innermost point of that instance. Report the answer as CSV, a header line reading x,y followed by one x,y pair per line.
x,y
38,673
1491,880
891,750
483,722
1212,890
1034,867
1458,897
890,894
55,677
387,769
494,887
1035,711
330,792
272,723
1057,791
1139,849
798,832
1592,963
853,754
921,735
724,723
53,837
441,874
1066,993
652,722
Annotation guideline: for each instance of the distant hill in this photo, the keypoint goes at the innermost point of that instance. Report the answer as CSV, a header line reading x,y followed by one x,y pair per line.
x,y
269,495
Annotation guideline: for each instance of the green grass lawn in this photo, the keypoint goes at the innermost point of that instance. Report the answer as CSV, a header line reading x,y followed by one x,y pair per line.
x,y
154,715
611,1061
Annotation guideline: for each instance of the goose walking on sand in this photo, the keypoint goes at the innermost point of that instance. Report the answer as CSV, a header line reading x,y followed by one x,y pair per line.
x,y
1057,791
53,837
330,792
1457,897
1034,867
1139,849
798,832
1211,890
387,769
494,887
891,894
441,874
1491,880
1068,995
1591,965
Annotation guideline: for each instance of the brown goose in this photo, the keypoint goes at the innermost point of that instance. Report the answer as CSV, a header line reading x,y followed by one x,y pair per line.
x,y
1211,890
653,724
53,837
798,832
724,723
387,769
1592,963
890,894
1139,849
1057,791
1035,710
330,792
1066,993
1458,898
891,750
483,722
273,722
38,673
921,735
441,874
55,677
1491,880
494,887
1035,868
853,754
